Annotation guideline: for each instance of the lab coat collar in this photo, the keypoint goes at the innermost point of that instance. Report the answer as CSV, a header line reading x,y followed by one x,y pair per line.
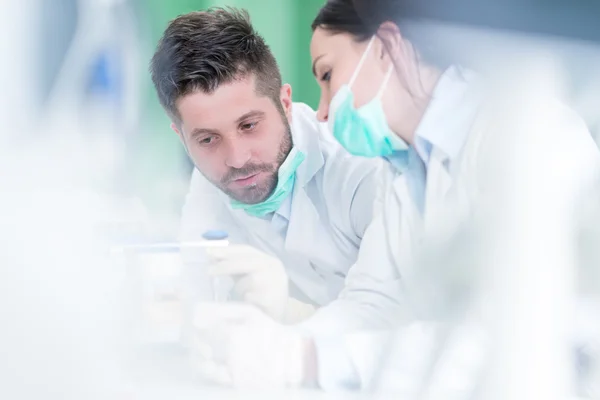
x,y
285,210
439,182
306,139
449,116
306,225
398,160
305,231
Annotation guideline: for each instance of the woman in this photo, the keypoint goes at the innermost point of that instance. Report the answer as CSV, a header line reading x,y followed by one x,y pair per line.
x,y
382,98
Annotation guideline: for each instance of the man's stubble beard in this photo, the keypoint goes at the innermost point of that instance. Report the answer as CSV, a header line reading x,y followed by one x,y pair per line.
x,y
258,193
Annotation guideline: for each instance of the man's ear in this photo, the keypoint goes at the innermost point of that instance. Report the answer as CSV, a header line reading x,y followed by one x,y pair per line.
x,y
285,96
177,131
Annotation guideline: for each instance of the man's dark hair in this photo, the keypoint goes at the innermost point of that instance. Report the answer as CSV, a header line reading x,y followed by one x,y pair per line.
x,y
205,49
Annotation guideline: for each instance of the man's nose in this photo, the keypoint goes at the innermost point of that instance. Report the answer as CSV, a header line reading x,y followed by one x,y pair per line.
x,y
237,155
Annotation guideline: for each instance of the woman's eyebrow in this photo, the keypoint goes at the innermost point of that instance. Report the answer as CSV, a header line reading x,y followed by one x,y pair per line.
x,y
314,71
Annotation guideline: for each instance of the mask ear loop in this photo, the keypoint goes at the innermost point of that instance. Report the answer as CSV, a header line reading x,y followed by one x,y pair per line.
x,y
360,63
359,66
400,143
388,74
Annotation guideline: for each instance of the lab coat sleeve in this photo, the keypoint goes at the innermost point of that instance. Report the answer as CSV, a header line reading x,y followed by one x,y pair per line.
x,y
373,296
356,183
369,195
350,362
375,359
335,367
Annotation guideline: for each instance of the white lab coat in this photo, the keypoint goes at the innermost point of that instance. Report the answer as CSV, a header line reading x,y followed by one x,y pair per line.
x,y
377,296
331,206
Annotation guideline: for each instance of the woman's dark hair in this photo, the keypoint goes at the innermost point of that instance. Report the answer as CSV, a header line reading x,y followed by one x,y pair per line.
x,y
340,16
362,19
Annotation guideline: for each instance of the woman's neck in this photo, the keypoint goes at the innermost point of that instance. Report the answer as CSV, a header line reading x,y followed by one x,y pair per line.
x,y
406,125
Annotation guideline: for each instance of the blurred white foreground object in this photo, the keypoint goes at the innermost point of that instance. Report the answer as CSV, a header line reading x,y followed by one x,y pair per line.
x,y
229,340
154,273
167,246
531,264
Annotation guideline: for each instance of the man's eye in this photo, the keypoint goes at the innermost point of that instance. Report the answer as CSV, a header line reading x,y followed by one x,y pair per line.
x,y
326,76
206,140
248,126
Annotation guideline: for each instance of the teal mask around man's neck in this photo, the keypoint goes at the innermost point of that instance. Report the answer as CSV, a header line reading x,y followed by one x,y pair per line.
x,y
285,184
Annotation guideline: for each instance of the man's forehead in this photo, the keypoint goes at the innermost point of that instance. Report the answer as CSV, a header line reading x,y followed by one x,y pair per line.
x,y
221,108
242,88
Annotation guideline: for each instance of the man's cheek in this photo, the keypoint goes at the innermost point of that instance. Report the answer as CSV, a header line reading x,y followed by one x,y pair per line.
x,y
210,172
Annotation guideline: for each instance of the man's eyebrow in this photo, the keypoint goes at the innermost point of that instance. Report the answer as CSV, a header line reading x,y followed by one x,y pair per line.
x,y
315,63
201,131
250,114
204,131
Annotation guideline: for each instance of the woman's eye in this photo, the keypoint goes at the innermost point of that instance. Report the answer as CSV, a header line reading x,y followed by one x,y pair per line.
x,y
326,76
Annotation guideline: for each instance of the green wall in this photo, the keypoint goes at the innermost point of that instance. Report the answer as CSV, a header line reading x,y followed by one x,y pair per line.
x,y
285,25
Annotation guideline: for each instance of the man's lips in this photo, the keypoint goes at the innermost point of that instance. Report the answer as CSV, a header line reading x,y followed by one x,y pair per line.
x,y
246,181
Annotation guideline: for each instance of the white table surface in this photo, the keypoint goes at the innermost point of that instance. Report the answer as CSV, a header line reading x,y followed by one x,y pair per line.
x,y
162,372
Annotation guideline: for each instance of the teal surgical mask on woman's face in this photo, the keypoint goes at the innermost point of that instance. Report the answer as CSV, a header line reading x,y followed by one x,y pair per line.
x,y
363,131
285,184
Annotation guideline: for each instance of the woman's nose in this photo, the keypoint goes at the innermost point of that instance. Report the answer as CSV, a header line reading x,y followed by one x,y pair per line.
x,y
323,110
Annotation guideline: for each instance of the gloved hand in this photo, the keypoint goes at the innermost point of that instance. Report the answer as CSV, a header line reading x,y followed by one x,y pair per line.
x,y
238,345
260,279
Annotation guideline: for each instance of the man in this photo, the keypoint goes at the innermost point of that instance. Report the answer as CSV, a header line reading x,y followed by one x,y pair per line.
x,y
294,203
